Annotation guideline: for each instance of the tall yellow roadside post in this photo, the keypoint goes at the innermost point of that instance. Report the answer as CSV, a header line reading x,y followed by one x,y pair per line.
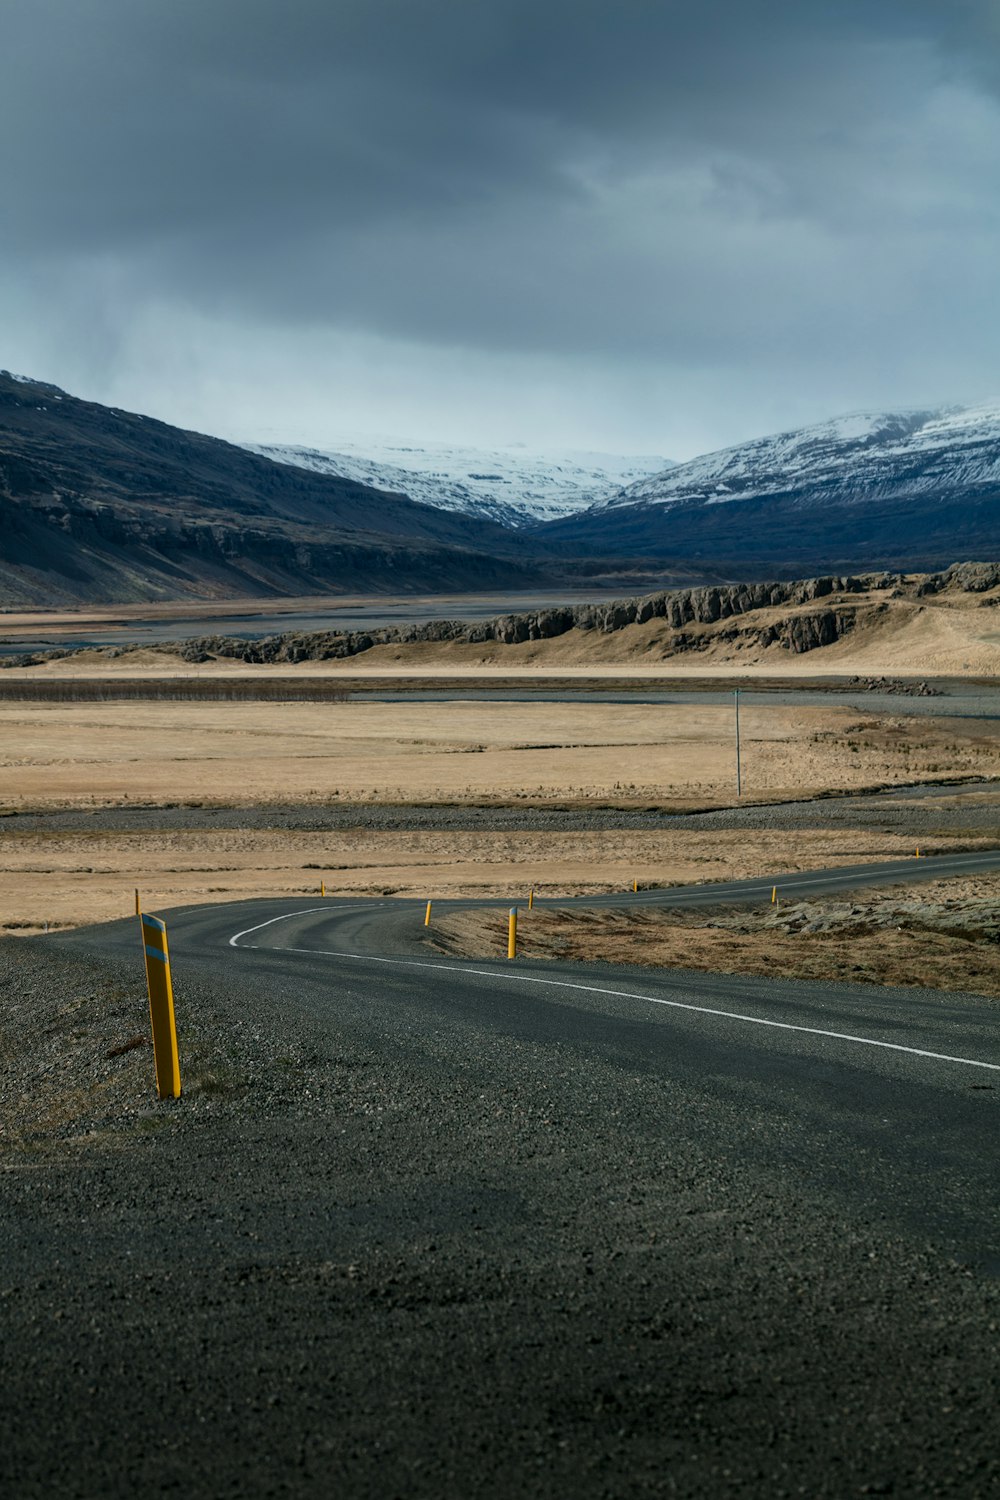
x,y
138,908
427,914
512,933
531,898
161,1008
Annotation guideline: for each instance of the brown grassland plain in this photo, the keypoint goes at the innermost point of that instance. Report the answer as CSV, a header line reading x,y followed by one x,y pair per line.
x,y
102,756
680,755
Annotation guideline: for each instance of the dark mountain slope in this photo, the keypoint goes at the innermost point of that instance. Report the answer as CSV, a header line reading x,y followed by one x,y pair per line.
x,y
103,505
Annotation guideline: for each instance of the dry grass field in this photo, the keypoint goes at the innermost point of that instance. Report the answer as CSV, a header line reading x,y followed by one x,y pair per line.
x,y
102,756
250,754
99,756
67,879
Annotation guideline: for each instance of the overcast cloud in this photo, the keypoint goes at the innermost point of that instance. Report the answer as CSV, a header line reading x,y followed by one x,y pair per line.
x,y
652,227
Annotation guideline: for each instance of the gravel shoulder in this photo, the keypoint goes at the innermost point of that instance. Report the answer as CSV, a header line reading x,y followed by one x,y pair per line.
x,y
395,1251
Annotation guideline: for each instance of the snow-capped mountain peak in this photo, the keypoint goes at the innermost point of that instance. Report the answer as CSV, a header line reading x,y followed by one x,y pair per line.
x,y
904,490
511,485
40,385
862,452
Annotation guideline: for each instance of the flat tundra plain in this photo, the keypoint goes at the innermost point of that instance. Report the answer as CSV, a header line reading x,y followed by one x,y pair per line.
x,y
96,758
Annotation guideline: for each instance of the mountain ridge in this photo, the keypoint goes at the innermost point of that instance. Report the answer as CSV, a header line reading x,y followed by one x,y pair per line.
x,y
99,503
821,449
913,489
103,505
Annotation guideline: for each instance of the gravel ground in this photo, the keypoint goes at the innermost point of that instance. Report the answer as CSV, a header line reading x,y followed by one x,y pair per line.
x,y
394,1253
972,808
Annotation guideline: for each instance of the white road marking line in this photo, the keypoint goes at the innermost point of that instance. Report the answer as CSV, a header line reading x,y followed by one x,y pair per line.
x,y
590,989
646,898
287,916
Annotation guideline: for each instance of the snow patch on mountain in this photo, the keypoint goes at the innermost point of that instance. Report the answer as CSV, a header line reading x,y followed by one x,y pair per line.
x,y
856,456
41,385
511,485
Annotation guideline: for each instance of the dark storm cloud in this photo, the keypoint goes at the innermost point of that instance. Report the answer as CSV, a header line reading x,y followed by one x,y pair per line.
x,y
131,118
705,183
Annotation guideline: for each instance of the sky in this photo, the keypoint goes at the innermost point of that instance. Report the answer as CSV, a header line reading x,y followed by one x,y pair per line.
x,y
639,226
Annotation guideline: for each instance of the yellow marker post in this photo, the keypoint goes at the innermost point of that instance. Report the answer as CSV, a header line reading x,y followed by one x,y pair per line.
x,y
774,895
512,933
427,914
322,887
635,887
918,853
531,898
138,909
161,1008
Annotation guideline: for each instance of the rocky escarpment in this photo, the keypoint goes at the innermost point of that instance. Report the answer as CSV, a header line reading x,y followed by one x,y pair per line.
x,y
798,617
682,611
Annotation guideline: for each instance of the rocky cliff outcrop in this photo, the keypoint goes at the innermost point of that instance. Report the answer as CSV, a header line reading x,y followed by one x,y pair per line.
x,y
695,619
681,609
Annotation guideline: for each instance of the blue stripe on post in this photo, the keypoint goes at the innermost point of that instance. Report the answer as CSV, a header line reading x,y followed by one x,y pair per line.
x,y
148,921
155,953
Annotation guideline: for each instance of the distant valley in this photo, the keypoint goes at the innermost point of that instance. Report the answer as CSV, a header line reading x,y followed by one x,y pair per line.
x,y
103,506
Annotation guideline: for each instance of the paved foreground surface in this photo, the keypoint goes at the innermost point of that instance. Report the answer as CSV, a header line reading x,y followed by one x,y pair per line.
x,y
505,1229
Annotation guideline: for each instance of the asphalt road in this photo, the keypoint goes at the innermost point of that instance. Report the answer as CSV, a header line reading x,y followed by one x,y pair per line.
x,y
804,884
819,1026
522,1229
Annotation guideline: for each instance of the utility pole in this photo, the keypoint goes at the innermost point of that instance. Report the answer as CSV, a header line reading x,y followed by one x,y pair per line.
x,y
739,771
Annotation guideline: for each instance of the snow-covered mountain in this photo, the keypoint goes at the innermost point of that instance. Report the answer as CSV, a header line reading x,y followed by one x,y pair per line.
x,y
862,454
873,489
513,486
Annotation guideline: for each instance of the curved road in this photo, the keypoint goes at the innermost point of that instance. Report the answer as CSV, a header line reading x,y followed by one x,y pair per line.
x,y
913,1056
521,1229
899,1048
